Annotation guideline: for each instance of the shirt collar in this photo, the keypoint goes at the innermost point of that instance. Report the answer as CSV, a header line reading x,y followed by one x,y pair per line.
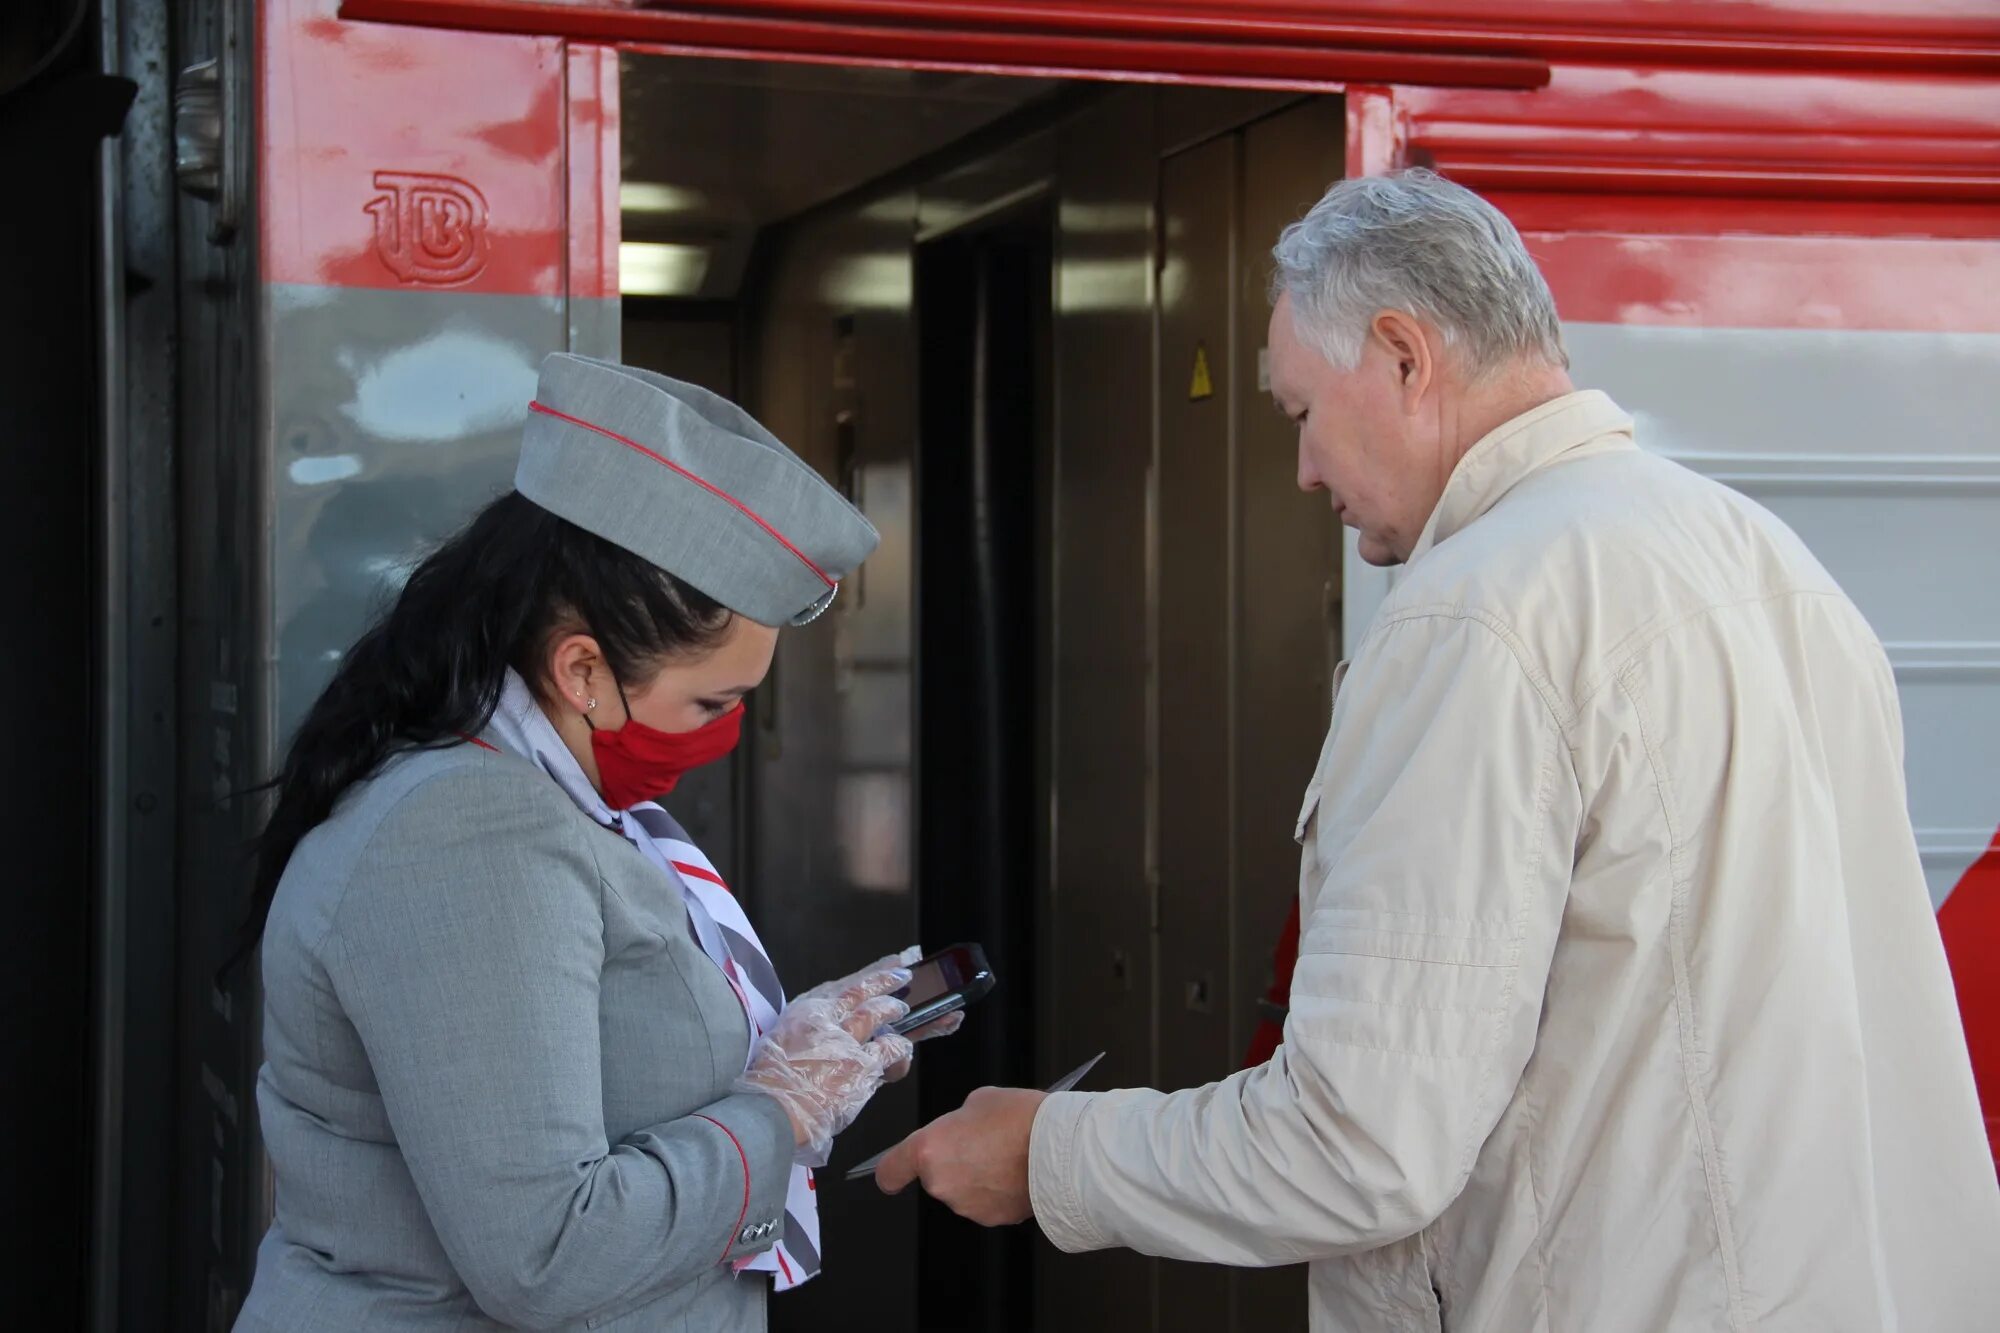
x,y
1586,421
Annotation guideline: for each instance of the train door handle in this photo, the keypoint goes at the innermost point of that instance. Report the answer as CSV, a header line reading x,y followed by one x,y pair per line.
x,y
209,144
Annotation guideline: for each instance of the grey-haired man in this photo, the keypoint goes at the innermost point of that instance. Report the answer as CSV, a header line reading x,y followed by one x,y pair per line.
x,y
1619,1001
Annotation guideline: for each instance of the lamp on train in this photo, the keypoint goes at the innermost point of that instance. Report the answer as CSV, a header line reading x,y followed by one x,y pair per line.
x,y
654,197
661,268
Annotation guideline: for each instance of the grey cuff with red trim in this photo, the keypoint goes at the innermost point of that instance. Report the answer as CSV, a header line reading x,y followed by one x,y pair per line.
x,y
762,1133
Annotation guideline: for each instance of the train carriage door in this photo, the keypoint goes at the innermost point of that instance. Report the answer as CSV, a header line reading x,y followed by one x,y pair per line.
x,y
1788,280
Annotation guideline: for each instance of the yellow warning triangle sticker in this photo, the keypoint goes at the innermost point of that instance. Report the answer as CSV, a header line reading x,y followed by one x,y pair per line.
x,y
1201,386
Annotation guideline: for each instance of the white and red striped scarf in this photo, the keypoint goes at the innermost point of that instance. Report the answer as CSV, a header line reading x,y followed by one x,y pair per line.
x,y
716,920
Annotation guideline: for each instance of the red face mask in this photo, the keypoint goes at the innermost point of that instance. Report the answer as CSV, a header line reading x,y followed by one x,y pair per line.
x,y
639,763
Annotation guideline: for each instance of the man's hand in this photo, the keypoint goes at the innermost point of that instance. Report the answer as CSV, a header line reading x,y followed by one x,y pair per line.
x,y
974,1160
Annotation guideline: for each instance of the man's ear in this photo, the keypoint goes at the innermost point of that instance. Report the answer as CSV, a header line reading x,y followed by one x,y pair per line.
x,y
1407,344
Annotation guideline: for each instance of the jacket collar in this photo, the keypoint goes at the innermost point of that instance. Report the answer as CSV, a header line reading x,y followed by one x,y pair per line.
x,y
519,727
1574,424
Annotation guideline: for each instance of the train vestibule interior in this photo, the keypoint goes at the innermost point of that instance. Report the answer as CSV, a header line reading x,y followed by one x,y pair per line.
x,y
1068,708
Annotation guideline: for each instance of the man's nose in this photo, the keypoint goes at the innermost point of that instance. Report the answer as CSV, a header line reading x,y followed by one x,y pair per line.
x,y
1308,476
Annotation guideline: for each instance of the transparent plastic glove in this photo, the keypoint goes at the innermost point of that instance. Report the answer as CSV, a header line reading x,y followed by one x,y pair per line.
x,y
937,1027
824,1058
940,1027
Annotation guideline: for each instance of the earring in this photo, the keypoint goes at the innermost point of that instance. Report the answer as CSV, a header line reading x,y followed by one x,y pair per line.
x,y
590,707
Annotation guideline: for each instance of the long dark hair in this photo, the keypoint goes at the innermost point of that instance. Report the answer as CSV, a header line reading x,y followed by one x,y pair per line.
x,y
429,672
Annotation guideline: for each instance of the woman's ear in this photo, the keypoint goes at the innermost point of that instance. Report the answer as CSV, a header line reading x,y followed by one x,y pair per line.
x,y
577,672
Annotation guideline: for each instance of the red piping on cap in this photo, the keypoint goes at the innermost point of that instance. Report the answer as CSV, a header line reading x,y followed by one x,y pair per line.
x,y
712,489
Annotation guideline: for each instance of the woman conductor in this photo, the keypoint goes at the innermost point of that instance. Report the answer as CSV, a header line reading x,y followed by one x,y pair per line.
x,y
527,1064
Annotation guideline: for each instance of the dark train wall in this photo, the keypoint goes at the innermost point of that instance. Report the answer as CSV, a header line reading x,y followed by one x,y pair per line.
x,y
56,110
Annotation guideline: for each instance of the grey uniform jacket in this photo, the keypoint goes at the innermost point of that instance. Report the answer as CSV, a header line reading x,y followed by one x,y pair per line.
x,y
496,1088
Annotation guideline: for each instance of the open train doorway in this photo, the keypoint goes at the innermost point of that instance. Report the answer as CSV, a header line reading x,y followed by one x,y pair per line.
x,y
782,242
1066,708
720,159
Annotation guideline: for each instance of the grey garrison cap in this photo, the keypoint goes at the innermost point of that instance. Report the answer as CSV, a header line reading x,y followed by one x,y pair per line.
x,y
689,480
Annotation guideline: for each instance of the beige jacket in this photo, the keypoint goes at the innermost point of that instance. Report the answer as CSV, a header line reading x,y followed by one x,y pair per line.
x,y
1620,1004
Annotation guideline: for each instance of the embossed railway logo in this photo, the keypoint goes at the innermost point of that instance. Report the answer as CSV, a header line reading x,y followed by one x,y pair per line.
x,y
429,229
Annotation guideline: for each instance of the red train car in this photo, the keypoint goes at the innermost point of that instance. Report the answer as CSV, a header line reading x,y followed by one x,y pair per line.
x,y
1772,228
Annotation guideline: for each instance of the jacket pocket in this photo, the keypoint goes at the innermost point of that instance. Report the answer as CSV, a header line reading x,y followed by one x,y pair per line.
x,y
1310,806
1414,1289
1430,1296
1307,811
1395,1290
